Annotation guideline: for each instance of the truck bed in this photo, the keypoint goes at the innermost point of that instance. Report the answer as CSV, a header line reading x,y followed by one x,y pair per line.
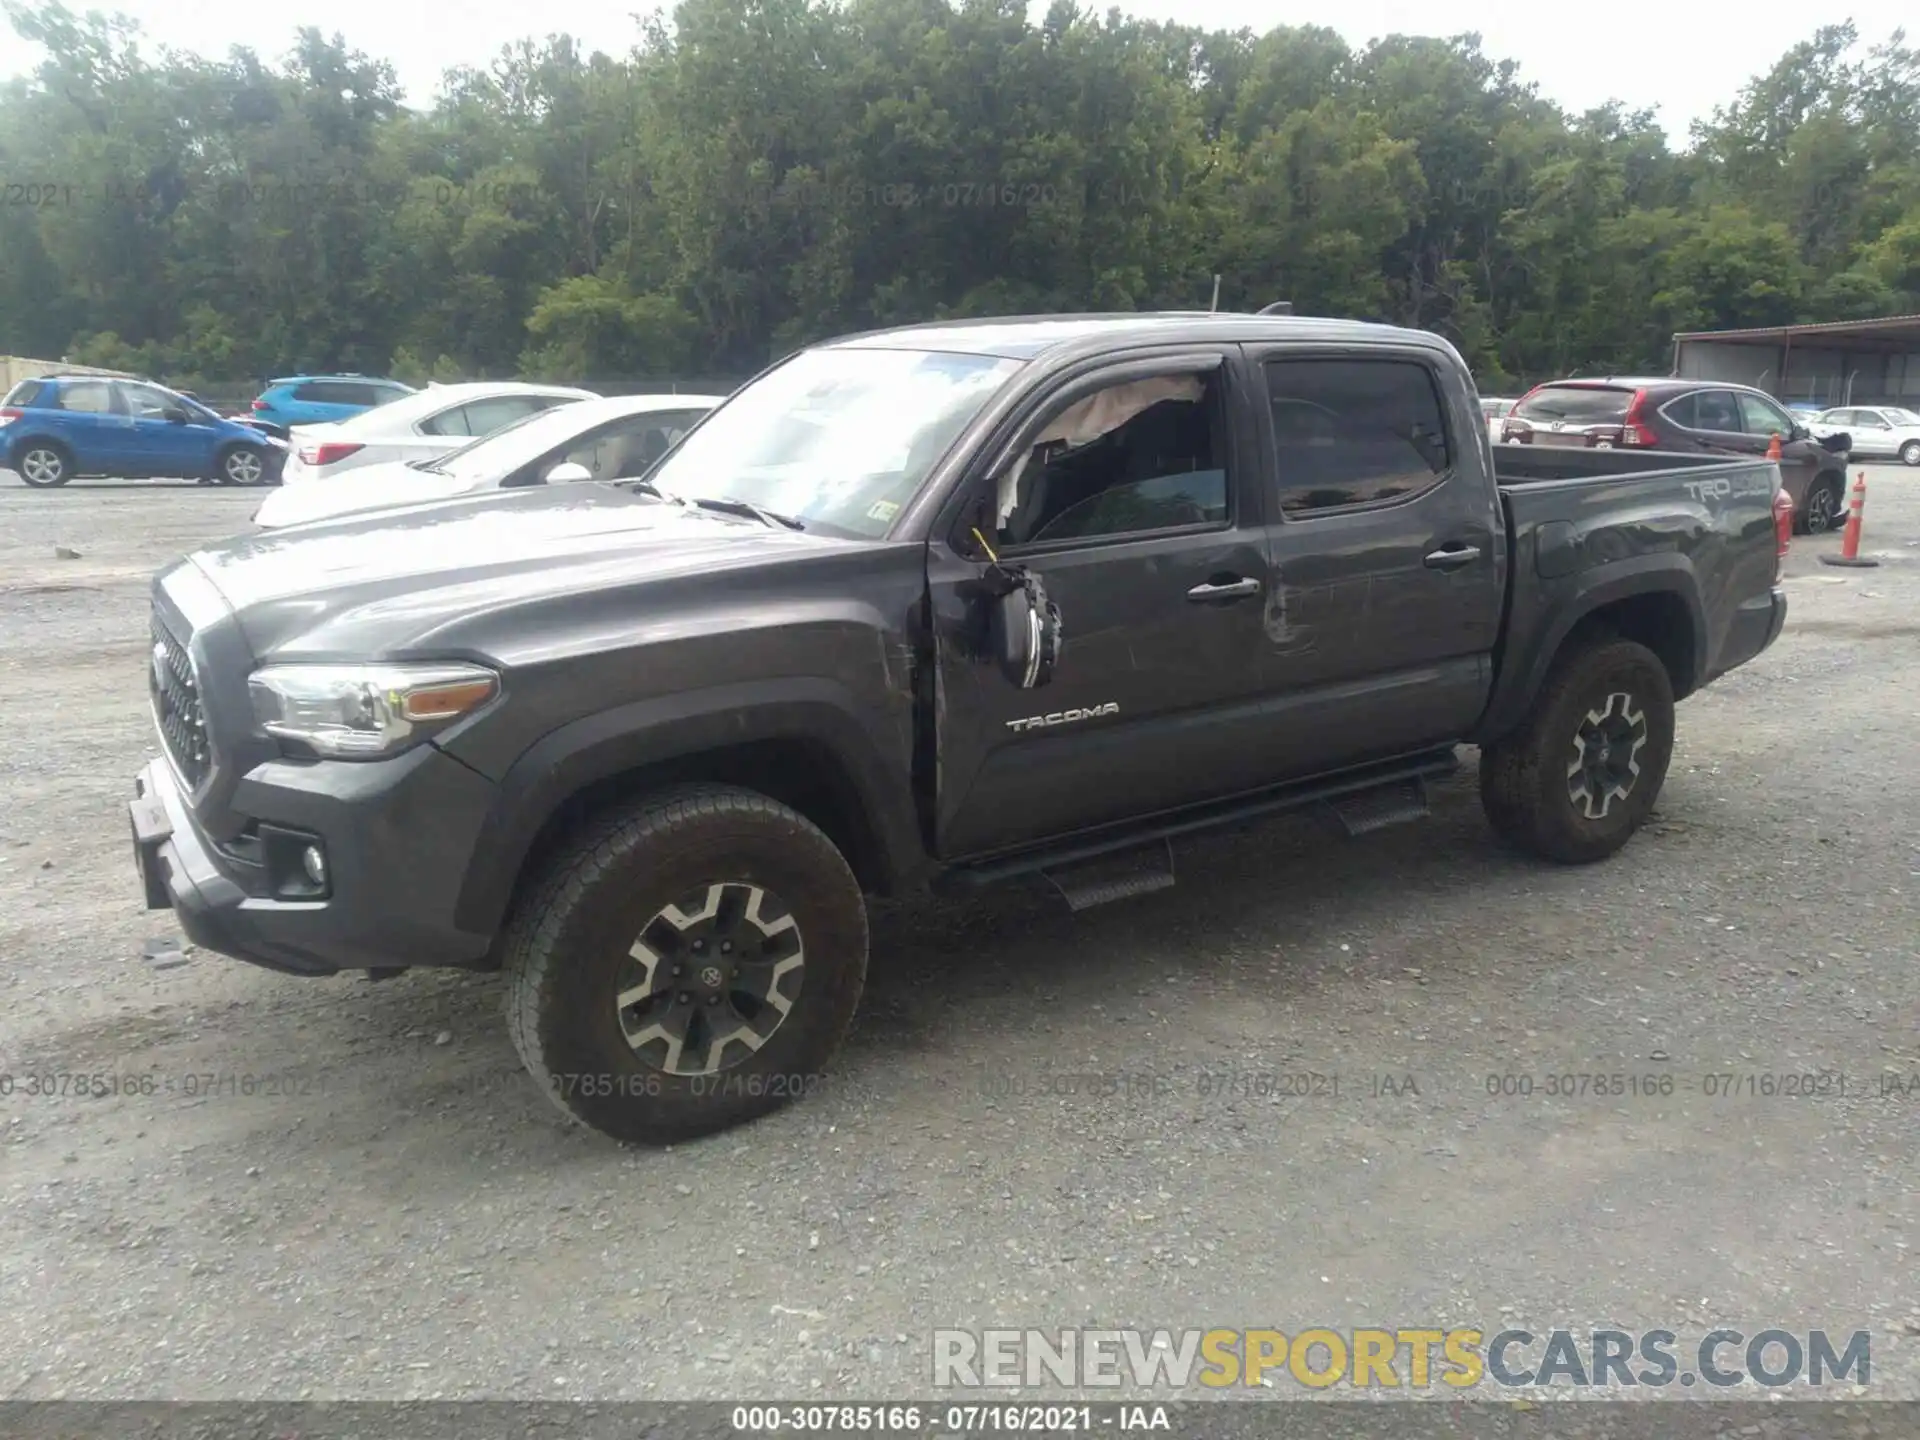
x,y
1584,525
1515,465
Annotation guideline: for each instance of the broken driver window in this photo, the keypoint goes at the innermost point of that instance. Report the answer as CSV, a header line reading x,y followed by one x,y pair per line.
x,y
1132,458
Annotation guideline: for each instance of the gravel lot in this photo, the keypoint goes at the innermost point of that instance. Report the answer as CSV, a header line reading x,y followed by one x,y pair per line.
x,y
417,1221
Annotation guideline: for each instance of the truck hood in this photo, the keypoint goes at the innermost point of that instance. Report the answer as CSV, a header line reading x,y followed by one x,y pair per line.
x,y
372,487
392,580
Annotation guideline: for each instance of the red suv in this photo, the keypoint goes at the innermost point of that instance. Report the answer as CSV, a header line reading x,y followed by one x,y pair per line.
x,y
1687,416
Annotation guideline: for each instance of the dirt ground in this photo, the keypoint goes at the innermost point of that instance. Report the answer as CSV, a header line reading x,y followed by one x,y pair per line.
x,y
414,1221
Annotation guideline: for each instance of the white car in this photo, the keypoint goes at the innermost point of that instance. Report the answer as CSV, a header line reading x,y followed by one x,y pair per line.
x,y
1494,409
422,426
615,439
1877,431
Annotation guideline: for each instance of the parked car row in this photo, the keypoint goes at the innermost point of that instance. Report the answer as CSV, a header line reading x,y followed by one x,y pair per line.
x,y
421,426
405,447
1663,413
596,439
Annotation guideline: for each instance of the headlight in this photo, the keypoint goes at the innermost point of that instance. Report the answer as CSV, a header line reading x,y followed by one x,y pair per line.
x,y
366,711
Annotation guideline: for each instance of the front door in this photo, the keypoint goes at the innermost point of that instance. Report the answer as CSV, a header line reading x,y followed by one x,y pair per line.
x,y
1136,500
1800,460
1388,553
162,446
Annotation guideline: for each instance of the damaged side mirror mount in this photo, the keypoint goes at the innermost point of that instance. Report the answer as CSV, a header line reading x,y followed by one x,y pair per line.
x,y
1023,624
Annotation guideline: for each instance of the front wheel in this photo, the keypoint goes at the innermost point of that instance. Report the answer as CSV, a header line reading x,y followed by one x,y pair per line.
x,y
1910,453
242,465
1576,780
1823,505
687,965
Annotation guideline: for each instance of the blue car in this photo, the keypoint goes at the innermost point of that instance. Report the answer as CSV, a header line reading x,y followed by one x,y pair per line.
x,y
59,426
320,400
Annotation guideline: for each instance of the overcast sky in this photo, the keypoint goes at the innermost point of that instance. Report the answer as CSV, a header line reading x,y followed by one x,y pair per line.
x,y
1680,60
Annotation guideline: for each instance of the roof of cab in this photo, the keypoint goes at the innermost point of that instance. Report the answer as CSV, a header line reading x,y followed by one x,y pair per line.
x,y
1026,337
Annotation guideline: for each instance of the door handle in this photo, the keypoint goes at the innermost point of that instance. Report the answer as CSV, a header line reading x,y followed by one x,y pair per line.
x,y
1452,557
1228,590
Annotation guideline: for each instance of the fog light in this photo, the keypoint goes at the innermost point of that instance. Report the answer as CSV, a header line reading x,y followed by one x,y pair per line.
x,y
315,864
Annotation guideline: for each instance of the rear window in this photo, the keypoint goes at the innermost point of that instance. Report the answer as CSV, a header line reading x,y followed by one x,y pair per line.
x,y
1578,404
27,392
88,397
329,392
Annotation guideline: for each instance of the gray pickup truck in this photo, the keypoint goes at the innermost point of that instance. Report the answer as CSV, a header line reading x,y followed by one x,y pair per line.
x,y
937,605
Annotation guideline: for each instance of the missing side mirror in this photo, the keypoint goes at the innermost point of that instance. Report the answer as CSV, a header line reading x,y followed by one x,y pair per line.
x,y
1024,626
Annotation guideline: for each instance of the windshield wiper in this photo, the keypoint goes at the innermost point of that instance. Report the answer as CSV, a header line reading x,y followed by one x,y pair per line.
x,y
728,506
725,505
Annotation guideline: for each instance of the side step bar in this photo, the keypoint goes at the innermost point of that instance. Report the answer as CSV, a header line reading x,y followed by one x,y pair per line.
x,y
1114,877
1372,810
1359,801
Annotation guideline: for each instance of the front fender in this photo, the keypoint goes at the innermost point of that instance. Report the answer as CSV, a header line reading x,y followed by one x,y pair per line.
x,y
681,727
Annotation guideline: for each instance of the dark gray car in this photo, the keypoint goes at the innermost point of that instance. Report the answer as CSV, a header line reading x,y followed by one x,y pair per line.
x,y
1686,416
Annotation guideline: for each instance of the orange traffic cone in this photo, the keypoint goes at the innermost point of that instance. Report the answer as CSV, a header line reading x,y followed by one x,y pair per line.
x,y
1773,448
1850,541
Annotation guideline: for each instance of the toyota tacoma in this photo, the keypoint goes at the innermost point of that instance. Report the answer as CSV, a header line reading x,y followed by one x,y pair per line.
x,y
931,606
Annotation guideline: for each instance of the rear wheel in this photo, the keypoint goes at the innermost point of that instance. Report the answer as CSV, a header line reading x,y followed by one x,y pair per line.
x,y
687,965
1823,506
1576,780
44,465
1910,453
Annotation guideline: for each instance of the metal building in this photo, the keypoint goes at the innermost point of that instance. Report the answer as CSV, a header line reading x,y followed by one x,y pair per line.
x,y
1850,362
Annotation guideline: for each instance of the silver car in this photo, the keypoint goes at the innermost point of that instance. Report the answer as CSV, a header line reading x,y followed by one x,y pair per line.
x,y
1878,432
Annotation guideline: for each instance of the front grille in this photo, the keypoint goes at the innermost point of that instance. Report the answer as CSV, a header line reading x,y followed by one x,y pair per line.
x,y
177,708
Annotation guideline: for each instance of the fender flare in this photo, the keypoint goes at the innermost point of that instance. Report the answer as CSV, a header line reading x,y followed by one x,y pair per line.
x,y
1668,574
680,727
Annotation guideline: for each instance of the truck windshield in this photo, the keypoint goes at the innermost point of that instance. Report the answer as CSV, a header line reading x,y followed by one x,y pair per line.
x,y
837,438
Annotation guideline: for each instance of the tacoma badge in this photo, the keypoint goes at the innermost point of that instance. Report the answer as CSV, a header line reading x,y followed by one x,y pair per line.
x,y
1065,717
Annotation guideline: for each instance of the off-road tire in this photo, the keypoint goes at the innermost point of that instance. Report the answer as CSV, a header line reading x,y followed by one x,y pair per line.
x,y
566,946
27,457
1525,786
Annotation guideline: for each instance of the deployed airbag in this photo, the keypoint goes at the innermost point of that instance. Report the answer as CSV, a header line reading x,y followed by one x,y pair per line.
x,y
1101,413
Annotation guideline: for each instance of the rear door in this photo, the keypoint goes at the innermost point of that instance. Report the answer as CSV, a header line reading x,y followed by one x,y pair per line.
x,y
1146,525
1388,553
1710,420
96,426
